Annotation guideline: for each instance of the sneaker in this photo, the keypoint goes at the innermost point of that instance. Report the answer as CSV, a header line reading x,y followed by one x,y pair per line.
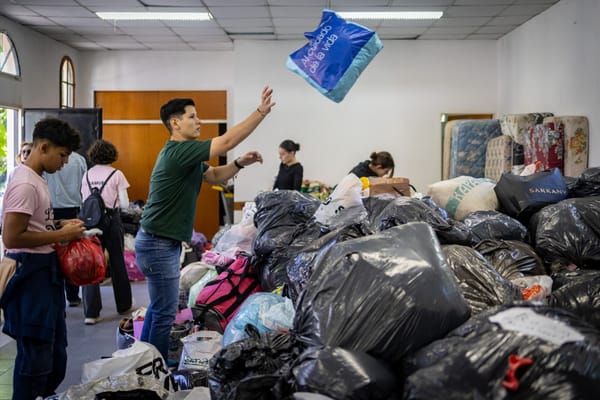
x,y
74,303
92,321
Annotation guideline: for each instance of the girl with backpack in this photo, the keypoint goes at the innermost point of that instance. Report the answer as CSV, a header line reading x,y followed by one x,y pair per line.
x,y
114,194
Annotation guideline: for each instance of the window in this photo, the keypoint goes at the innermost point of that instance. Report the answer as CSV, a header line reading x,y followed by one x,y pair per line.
x,y
67,83
9,62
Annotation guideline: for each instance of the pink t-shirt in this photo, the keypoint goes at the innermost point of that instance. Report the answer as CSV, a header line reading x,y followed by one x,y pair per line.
x,y
110,193
27,193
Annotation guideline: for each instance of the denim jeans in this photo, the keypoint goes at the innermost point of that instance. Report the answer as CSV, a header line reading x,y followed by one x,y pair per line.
x,y
159,260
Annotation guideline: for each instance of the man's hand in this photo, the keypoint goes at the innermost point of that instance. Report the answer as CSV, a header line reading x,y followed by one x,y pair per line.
x,y
265,101
250,158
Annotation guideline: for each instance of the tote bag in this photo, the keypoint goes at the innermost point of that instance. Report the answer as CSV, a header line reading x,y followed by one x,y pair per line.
x,y
521,196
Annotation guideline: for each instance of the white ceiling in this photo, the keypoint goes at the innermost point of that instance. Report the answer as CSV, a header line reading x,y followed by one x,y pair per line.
x,y
74,23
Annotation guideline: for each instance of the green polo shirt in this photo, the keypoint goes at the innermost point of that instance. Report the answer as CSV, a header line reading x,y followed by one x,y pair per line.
x,y
174,188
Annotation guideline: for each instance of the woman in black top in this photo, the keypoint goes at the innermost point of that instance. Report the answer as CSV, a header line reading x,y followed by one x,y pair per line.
x,y
380,164
290,170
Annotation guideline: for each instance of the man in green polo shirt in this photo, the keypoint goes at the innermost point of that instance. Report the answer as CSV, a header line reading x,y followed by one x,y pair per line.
x,y
168,215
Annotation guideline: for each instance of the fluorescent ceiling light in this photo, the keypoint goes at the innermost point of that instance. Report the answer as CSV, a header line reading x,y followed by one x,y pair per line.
x,y
391,14
172,16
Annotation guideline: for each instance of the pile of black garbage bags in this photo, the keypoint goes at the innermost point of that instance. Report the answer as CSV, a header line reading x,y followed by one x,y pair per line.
x,y
399,301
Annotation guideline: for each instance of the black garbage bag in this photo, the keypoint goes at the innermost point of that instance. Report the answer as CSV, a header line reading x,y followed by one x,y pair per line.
x,y
511,258
587,184
277,215
481,285
581,297
385,294
345,375
300,267
403,210
431,203
255,368
562,278
374,206
190,378
568,233
490,224
272,266
571,183
473,360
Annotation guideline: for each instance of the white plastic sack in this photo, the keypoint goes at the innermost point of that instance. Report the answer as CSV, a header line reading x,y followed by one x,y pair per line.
x,y
463,195
128,381
141,358
198,349
347,194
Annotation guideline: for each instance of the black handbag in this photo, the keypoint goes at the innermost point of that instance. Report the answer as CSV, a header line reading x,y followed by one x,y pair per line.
x,y
521,196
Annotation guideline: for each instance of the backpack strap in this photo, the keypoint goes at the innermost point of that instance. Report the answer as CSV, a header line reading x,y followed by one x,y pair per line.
x,y
87,178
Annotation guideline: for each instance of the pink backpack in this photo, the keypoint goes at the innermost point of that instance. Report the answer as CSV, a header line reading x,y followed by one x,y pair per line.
x,y
219,300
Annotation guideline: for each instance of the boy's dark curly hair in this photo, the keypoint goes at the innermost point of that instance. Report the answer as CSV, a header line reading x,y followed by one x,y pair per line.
x,y
57,132
103,152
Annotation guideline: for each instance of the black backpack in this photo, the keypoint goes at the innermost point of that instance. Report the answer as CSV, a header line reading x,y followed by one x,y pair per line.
x,y
93,210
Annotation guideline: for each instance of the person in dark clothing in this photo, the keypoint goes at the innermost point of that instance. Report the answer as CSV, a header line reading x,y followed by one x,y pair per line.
x,y
290,170
103,153
380,164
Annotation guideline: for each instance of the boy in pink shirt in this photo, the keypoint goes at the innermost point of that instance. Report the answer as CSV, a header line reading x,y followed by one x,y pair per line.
x,y
33,301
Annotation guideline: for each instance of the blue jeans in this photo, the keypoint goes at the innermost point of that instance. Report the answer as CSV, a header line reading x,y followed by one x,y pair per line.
x,y
159,260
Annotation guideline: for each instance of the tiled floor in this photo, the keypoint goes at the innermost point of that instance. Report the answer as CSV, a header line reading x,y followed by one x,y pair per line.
x,y
86,342
8,351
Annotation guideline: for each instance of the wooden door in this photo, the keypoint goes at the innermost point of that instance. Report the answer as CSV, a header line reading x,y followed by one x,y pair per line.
x,y
132,123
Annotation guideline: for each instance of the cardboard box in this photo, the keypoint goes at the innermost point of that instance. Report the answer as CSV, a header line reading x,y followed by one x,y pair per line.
x,y
393,186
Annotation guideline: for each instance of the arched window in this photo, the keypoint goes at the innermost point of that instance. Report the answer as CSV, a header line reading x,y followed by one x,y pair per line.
x,y
67,83
9,62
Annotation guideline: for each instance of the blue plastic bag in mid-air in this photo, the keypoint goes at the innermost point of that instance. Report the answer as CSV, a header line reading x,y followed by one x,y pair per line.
x,y
335,56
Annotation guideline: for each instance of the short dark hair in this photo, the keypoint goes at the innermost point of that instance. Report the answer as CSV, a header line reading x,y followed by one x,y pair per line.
x,y
57,132
103,152
290,146
174,108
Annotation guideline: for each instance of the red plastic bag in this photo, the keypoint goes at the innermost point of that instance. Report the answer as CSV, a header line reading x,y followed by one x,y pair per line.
x,y
82,261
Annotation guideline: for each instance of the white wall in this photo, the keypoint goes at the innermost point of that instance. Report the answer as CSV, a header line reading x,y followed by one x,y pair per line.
x,y
153,70
39,58
551,63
